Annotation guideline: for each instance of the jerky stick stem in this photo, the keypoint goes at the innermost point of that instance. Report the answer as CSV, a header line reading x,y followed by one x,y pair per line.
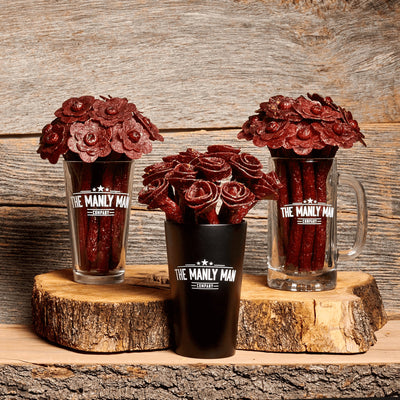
x,y
104,247
320,234
305,261
296,230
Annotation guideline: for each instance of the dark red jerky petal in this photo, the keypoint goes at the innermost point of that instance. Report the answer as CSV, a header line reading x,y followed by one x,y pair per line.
x,y
154,133
156,171
213,169
337,134
111,111
237,200
325,101
156,196
130,139
75,109
235,194
222,148
253,126
182,176
90,140
154,193
53,141
281,108
267,187
202,197
310,109
246,167
222,151
185,157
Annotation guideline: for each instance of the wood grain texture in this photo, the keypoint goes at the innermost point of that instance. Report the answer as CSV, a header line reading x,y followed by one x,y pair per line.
x,y
34,237
194,64
31,368
136,315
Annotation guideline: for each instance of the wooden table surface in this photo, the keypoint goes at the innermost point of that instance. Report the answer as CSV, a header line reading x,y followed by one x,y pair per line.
x,y
31,367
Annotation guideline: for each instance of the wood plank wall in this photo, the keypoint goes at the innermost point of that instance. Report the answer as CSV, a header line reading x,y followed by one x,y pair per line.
x,y
198,69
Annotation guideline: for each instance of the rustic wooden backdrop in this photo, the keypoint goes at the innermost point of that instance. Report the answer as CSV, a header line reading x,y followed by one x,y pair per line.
x,y
198,69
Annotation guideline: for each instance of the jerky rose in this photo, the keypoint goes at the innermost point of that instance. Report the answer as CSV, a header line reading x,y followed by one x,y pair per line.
x,y
202,197
53,142
280,108
237,200
246,167
222,151
90,140
155,196
130,138
183,157
267,187
75,109
156,171
304,139
150,128
113,110
182,177
213,169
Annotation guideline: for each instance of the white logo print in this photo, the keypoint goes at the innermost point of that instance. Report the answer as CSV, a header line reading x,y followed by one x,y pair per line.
x,y
100,201
309,212
205,275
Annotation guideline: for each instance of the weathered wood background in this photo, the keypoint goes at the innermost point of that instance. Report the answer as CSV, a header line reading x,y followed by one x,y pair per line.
x,y
198,69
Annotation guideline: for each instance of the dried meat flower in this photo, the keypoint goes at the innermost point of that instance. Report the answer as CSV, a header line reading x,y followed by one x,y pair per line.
x,y
53,142
90,140
75,109
213,169
130,138
155,196
218,186
202,197
107,128
237,200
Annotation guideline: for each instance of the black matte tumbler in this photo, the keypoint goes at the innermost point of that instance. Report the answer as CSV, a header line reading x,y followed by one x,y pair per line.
x,y
205,269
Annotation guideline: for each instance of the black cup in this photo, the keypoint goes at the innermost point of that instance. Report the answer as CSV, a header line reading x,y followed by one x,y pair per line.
x,y
205,269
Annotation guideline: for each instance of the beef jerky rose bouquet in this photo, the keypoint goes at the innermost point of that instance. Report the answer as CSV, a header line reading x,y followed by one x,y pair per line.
x,y
98,139
89,129
293,128
218,186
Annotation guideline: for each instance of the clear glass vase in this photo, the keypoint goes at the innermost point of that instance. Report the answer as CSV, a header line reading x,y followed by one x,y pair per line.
x,y
98,199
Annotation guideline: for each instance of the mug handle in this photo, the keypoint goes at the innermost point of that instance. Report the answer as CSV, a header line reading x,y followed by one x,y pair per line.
x,y
362,217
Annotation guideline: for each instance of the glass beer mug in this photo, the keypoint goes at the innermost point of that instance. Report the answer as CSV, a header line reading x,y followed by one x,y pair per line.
x,y
302,234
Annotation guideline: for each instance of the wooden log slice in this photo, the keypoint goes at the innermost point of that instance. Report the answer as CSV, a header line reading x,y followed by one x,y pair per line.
x,y
102,318
342,320
135,315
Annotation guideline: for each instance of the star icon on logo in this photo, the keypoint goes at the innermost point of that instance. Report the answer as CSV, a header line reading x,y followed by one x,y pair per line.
x,y
100,188
204,262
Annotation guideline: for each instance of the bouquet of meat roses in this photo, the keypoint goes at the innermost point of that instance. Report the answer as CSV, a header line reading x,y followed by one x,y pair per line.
x,y
294,129
98,139
218,186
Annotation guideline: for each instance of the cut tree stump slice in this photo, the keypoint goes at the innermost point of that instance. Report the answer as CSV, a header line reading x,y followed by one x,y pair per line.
x,y
135,316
